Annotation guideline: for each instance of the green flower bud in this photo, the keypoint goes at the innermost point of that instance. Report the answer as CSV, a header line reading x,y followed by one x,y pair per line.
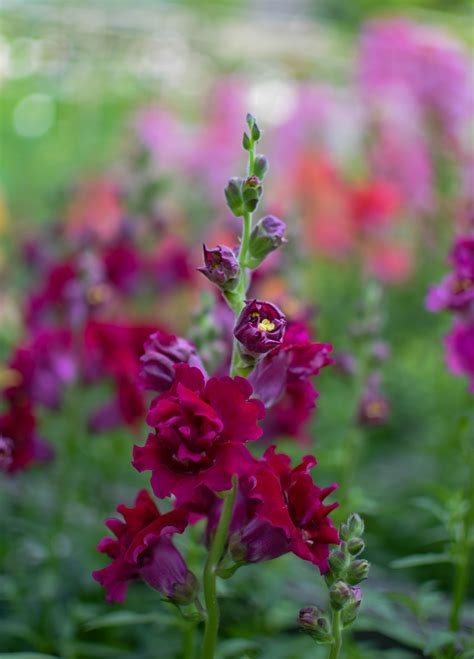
x,y
357,571
234,196
254,129
246,143
339,594
354,527
260,166
355,546
351,609
313,621
267,235
251,193
338,561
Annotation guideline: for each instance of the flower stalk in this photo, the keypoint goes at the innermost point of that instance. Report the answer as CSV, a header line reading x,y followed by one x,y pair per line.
x,y
216,552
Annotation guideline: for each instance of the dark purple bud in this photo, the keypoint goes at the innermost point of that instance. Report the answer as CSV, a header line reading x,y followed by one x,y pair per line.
x,y
162,353
313,621
258,541
267,235
260,327
221,267
165,570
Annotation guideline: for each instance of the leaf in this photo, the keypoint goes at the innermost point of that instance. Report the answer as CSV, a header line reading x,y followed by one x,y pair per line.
x,y
119,618
27,655
236,647
420,559
437,641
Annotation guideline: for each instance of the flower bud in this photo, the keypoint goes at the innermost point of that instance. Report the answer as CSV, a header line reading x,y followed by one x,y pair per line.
x,y
162,353
221,267
165,570
351,609
313,621
357,571
251,193
355,546
260,327
339,594
260,166
254,129
233,195
246,142
337,561
354,527
266,236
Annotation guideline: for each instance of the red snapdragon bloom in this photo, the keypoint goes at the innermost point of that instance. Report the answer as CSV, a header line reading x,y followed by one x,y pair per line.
x,y
143,549
289,500
19,442
199,433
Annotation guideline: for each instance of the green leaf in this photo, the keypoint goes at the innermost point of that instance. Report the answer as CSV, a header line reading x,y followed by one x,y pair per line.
x,y
119,618
416,560
27,655
438,640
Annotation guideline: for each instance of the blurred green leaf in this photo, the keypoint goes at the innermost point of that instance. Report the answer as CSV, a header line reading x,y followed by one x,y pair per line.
x,y
438,641
119,618
416,560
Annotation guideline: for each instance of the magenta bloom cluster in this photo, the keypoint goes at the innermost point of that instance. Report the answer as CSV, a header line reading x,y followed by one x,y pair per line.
x,y
455,293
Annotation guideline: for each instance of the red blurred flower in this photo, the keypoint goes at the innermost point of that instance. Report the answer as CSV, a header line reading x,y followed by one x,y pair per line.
x,y
20,445
460,350
199,433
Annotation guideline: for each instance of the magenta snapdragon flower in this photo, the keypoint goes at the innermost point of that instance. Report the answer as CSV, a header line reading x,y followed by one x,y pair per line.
x,y
199,433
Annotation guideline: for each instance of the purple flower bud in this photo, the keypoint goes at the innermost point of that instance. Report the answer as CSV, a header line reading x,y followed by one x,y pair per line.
x,y
258,541
339,595
165,570
162,353
316,624
267,235
260,327
221,267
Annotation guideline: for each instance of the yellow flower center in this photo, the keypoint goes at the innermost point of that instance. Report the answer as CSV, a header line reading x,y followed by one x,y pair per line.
x,y
98,294
375,409
9,377
461,285
266,325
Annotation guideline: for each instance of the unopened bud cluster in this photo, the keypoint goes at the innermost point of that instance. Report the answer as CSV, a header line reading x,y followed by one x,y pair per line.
x,y
345,572
260,325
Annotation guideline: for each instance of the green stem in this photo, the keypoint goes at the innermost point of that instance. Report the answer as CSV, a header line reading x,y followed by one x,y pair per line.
x,y
240,293
336,645
461,576
209,579
189,637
